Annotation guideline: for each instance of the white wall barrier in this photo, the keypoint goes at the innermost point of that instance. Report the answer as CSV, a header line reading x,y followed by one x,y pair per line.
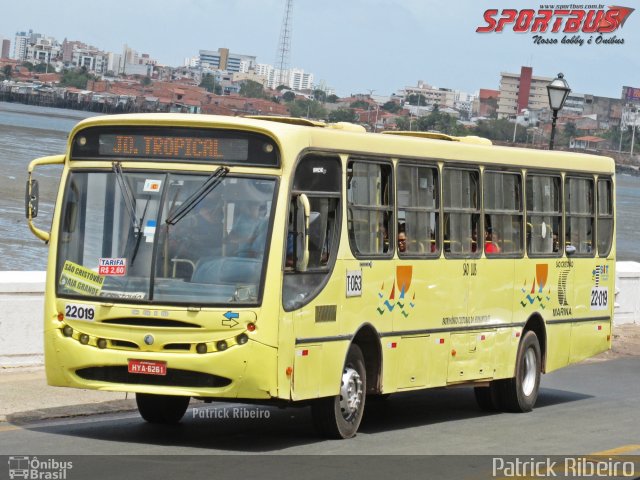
x,y
21,310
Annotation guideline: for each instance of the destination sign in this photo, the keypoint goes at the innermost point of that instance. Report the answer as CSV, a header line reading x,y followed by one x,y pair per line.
x,y
174,144
149,146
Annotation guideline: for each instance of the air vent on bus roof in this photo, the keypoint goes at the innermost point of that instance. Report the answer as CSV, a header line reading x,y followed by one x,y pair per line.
x,y
305,122
442,136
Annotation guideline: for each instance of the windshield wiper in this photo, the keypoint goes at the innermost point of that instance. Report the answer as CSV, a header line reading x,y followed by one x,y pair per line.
x,y
127,195
205,189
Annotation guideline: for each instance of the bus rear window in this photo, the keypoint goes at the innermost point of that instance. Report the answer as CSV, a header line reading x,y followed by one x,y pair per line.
x,y
198,145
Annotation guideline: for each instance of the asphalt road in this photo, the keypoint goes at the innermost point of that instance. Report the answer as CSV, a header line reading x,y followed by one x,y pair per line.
x,y
582,410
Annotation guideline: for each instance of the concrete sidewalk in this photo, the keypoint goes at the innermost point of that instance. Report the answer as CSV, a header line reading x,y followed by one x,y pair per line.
x,y
25,396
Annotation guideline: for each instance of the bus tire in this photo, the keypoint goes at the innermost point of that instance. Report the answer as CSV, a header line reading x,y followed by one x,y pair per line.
x,y
162,409
339,417
519,394
486,398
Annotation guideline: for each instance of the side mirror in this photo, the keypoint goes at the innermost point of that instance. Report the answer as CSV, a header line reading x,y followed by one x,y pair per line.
x,y
570,250
303,212
31,198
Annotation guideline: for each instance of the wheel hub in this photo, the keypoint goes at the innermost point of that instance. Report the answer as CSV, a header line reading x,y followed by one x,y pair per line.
x,y
530,372
351,393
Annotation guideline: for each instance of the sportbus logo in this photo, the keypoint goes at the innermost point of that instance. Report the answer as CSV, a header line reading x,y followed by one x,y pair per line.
x,y
593,20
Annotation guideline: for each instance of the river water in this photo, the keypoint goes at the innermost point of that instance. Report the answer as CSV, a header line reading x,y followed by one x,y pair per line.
x,y
28,132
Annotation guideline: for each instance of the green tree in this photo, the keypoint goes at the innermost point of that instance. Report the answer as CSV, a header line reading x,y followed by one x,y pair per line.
x,y
289,96
360,104
332,98
44,67
208,82
403,123
568,132
146,81
307,109
391,107
75,78
7,70
500,130
28,65
320,95
343,115
252,89
416,99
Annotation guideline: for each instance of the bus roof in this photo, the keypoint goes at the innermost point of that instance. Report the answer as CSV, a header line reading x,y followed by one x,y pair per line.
x,y
292,134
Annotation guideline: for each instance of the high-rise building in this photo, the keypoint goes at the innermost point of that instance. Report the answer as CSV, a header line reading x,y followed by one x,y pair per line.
x,y
222,59
522,91
20,45
44,50
6,48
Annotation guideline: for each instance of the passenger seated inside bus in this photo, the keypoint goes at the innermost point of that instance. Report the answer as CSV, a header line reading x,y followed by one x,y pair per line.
x,y
491,241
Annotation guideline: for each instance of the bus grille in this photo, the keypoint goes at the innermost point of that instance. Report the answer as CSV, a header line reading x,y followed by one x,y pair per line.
x,y
173,378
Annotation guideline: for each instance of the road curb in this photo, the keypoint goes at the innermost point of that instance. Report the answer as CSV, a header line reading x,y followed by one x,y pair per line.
x,y
31,416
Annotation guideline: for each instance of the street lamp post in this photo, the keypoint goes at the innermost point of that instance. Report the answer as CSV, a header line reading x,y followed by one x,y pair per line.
x,y
558,91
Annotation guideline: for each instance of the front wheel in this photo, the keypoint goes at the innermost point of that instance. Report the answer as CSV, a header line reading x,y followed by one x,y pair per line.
x,y
519,394
340,416
163,409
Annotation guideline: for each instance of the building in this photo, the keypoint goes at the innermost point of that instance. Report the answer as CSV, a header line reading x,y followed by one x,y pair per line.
x,y
222,59
44,50
299,80
522,91
20,45
115,63
574,104
89,57
6,48
442,97
486,104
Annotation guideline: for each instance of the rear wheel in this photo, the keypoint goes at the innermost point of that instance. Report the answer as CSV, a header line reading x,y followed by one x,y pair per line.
x,y
486,398
340,416
519,394
163,409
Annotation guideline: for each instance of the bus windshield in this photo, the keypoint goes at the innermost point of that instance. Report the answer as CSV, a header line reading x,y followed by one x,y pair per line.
x,y
115,240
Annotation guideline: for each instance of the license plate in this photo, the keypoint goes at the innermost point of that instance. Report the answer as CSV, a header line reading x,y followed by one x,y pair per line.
x,y
147,367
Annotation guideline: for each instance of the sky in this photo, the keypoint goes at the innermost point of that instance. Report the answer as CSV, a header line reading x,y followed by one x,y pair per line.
x,y
354,46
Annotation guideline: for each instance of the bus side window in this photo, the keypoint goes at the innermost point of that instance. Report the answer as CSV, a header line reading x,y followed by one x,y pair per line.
x,y
319,178
503,213
418,210
370,209
605,216
461,201
544,215
580,219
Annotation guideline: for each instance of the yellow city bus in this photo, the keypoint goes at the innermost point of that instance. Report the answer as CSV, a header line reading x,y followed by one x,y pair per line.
x,y
294,262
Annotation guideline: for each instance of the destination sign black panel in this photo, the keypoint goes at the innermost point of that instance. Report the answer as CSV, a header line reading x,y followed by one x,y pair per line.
x,y
175,145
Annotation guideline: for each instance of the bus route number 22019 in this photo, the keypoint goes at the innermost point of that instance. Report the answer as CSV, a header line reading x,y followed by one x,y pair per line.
x,y
599,298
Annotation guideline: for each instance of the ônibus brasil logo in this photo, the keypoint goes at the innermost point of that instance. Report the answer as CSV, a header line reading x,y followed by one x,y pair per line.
x,y
593,20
